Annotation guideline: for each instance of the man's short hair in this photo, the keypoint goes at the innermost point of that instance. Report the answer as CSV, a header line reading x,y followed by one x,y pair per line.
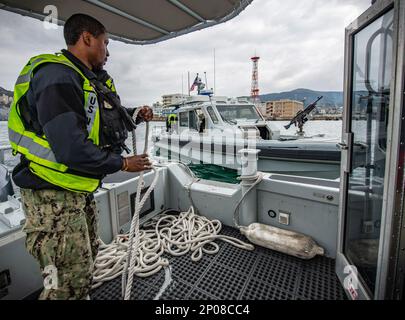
x,y
77,24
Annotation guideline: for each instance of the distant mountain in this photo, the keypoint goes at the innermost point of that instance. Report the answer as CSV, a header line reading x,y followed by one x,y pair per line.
x,y
330,98
6,92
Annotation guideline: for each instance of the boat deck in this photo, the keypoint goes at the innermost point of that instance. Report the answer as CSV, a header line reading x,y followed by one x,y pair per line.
x,y
236,274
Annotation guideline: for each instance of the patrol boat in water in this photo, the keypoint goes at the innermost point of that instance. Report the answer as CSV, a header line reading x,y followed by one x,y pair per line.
x,y
211,130
356,222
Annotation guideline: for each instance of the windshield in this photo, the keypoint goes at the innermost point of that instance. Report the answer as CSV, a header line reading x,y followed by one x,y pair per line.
x,y
232,113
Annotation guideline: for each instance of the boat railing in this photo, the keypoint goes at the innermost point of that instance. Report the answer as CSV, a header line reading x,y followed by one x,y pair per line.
x,y
3,150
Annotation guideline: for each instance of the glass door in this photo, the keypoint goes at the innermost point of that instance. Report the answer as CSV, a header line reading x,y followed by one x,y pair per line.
x,y
371,64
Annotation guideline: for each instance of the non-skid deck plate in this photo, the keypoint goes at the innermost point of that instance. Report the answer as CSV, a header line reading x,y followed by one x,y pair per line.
x,y
236,274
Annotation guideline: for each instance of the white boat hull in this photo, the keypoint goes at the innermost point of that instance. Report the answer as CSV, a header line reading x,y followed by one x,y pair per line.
x,y
304,158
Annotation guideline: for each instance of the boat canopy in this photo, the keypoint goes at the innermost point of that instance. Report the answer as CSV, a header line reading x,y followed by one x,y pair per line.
x,y
136,22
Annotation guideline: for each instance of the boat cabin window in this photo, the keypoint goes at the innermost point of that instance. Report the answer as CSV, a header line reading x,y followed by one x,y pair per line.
x,y
201,122
183,119
193,120
212,114
232,113
189,119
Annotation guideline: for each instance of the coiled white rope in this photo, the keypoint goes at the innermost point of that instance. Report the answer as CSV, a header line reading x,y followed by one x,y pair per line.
x,y
176,235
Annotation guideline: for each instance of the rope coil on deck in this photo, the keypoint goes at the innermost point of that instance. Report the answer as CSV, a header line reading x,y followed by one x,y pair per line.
x,y
176,235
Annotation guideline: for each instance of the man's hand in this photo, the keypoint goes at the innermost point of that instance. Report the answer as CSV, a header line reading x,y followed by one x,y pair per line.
x,y
136,163
146,113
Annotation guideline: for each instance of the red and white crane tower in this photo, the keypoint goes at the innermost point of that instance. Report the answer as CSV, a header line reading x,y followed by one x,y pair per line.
x,y
255,80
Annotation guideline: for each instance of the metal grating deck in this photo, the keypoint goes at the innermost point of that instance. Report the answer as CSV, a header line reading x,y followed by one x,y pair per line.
x,y
236,274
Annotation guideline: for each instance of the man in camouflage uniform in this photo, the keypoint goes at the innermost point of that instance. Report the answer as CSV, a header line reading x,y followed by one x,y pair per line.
x,y
61,224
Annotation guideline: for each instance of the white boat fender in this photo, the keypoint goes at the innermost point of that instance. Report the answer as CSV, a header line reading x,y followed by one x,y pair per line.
x,y
285,241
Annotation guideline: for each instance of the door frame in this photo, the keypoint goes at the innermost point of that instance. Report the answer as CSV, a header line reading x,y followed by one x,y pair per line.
x,y
390,278
343,268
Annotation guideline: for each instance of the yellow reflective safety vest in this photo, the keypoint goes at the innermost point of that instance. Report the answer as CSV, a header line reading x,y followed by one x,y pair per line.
x,y
172,119
36,148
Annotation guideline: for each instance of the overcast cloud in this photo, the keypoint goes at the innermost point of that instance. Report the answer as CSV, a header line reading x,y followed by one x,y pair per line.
x,y
301,45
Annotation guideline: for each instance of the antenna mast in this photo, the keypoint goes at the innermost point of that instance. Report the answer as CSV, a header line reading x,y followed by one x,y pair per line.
x,y
214,75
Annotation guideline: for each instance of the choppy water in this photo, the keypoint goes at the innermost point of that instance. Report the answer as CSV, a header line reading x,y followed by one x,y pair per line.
x,y
331,129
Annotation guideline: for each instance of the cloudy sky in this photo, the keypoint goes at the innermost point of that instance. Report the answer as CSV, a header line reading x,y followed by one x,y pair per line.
x,y
301,45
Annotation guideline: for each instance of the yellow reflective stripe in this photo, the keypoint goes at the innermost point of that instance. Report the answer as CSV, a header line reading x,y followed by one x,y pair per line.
x,y
87,86
14,120
38,139
26,68
19,91
110,85
29,138
25,75
65,180
23,78
33,158
25,144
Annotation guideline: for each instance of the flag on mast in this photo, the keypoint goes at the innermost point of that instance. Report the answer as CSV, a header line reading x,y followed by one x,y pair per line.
x,y
195,83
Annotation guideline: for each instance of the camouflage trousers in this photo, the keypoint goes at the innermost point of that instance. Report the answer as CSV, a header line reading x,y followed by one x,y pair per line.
x,y
61,228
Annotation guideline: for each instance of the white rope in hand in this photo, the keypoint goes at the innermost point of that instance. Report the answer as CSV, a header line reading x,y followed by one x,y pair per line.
x,y
130,262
